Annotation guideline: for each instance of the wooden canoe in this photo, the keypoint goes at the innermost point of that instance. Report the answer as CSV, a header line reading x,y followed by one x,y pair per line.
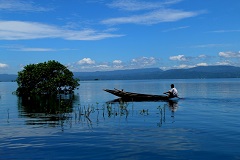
x,y
131,96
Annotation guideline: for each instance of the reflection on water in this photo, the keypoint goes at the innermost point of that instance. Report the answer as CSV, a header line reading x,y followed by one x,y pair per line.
x,y
45,110
172,107
203,125
52,112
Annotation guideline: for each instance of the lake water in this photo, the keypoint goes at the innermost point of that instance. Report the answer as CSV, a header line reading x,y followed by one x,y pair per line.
x,y
202,125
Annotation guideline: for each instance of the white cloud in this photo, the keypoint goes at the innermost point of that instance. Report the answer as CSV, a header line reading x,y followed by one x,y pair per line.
x,y
144,61
154,17
134,5
229,54
21,48
91,67
86,61
151,12
87,64
226,31
224,63
117,62
35,49
190,62
117,67
178,58
2,65
202,64
102,66
14,30
130,5
183,66
20,5
209,45
176,28
202,56
182,62
19,30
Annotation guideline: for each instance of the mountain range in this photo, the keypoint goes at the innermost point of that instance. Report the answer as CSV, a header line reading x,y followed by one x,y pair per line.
x,y
156,73
153,73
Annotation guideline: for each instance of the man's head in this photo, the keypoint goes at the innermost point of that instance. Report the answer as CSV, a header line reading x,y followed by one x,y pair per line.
x,y
172,85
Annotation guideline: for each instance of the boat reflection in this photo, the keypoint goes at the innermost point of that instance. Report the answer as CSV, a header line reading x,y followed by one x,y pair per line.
x,y
142,100
171,105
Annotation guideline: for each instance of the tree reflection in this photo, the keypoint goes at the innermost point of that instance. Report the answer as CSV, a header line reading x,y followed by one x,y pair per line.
x,y
44,109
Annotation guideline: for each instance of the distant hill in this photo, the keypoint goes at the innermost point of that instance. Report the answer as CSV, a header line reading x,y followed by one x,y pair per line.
x,y
7,77
203,72
119,74
156,73
152,73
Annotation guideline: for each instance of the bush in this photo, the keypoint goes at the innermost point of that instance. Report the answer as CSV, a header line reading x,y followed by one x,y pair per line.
x,y
48,78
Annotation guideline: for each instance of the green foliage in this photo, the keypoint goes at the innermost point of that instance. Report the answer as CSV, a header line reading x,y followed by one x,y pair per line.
x,y
45,78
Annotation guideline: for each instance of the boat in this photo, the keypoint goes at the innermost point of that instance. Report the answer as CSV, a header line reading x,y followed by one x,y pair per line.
x,y
131,96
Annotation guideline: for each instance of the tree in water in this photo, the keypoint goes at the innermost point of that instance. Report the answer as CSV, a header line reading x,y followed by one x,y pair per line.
x,y
48,78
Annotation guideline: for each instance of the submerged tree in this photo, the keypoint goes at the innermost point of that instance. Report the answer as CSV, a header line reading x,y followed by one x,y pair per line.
x,y
48,78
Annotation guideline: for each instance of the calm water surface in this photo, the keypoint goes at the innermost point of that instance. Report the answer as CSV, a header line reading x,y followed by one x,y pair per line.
x,y
202,125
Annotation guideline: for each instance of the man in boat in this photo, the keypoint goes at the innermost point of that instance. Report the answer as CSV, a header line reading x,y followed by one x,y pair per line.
x,y
172,92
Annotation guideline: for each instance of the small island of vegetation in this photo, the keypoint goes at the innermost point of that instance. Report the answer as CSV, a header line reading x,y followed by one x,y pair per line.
x,y
48,78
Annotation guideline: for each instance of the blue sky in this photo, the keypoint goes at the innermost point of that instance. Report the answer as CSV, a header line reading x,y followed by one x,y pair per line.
x,y
97,35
